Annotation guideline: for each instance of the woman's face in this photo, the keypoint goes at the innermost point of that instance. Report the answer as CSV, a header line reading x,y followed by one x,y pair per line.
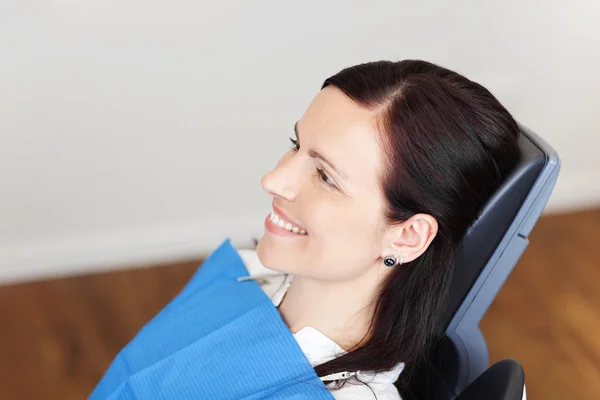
x,y
337,202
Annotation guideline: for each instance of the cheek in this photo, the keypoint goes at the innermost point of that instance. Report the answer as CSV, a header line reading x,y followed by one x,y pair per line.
x,y
349,222
342,245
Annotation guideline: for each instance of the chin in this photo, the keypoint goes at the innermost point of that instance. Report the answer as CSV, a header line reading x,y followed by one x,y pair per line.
x,y
271,256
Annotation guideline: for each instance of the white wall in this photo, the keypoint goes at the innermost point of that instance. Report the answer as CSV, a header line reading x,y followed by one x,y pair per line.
x,y
137,131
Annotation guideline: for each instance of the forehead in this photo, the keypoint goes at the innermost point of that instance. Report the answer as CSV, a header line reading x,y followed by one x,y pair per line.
x,y
345,133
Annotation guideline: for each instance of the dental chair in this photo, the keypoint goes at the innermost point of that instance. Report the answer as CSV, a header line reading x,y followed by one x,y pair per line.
x,y
457,368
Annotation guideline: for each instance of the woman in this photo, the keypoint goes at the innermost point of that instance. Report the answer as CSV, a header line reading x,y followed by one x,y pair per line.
x,y
390,164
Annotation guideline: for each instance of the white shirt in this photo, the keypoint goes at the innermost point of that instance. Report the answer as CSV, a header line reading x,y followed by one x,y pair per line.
x,y
317,347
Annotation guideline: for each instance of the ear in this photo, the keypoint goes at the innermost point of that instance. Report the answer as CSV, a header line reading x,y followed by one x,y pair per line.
x,y
413,237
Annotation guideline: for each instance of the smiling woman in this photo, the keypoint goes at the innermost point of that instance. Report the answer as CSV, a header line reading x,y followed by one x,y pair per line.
x,y
391,163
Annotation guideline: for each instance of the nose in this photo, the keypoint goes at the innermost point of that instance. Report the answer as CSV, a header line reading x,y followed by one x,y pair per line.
x,y
283,181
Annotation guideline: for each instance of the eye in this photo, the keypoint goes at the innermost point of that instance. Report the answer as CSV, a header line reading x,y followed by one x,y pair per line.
x,y
321,174
326,179
295,144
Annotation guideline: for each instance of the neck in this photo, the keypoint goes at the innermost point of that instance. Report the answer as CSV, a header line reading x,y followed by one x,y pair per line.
x,y
342,311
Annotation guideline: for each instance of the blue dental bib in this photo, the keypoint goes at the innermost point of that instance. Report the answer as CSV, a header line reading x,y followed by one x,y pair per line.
x,y
218,339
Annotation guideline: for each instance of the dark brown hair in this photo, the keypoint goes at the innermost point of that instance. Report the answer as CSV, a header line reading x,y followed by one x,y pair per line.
x,y
448,143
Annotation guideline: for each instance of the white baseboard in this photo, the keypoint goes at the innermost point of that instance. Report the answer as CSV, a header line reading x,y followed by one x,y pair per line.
x,y
144,247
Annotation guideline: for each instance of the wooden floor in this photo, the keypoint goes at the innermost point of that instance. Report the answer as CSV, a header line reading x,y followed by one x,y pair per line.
x,y
58,337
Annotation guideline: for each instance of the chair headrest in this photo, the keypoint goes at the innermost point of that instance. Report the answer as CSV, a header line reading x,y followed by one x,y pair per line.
x,y
484,236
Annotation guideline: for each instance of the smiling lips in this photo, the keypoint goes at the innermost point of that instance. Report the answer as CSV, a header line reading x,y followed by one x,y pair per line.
x,y
283,223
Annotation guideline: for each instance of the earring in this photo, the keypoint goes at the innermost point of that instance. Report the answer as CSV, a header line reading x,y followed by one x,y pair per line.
x,y
390,261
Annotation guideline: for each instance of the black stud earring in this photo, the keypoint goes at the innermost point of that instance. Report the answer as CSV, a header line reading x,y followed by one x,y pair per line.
x,y
389,261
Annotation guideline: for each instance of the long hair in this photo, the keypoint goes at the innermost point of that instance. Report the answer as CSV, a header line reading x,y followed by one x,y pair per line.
x,y
448,143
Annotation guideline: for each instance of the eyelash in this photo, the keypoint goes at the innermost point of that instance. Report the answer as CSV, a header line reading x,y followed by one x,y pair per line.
x,y
295,145
322,175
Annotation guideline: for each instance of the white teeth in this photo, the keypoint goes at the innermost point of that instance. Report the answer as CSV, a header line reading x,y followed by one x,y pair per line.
x,y
277,220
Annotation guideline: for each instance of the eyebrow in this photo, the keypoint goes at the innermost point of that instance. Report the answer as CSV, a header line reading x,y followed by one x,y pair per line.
x,y
315,154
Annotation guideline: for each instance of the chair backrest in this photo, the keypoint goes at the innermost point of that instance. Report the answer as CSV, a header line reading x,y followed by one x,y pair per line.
x,y
489,251
492,247
484,236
